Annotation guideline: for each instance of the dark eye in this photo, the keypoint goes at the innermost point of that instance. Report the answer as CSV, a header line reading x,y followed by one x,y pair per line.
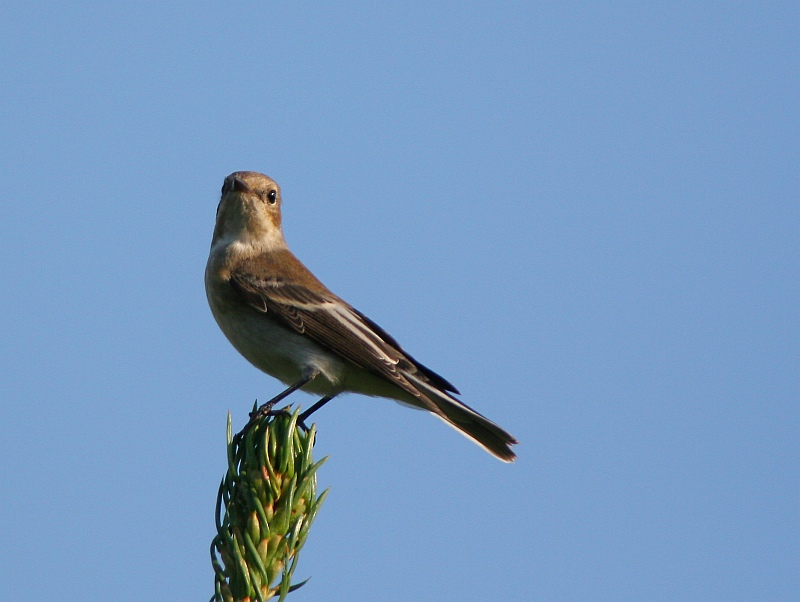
x,y
272,196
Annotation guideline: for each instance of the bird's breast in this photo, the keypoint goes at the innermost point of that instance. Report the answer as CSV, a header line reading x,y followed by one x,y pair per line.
x,y
271,346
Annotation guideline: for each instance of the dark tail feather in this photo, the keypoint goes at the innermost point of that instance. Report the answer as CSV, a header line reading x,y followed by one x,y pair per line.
x,y
480,429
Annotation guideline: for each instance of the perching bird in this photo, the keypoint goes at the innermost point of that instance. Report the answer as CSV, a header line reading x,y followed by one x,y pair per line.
x,y
287,323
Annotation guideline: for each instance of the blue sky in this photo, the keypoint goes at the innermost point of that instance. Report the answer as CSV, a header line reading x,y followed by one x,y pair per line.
x,y
585,216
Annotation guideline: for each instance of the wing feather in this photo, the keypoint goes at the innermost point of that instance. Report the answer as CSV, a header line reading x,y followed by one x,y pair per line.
x,y
337,326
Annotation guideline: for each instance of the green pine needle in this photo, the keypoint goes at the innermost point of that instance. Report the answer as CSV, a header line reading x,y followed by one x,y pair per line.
x,y
265,506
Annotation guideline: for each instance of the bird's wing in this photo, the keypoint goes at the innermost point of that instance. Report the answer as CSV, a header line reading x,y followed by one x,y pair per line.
x,y
335,325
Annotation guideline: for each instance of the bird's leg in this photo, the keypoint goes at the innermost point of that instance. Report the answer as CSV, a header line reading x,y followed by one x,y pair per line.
x,y
265,408
301,420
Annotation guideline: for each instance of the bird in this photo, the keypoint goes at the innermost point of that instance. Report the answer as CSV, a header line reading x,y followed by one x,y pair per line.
x,y
288,324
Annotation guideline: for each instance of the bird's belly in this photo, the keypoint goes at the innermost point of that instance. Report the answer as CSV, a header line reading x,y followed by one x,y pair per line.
x,y
281,352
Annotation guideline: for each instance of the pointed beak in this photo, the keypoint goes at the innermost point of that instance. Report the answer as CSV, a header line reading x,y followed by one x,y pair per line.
x,y
238,185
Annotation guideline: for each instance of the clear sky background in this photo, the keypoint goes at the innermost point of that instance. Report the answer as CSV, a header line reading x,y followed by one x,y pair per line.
x,y
584,215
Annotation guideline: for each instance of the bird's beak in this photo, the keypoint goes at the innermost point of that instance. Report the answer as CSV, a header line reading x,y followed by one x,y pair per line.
x,y
239,185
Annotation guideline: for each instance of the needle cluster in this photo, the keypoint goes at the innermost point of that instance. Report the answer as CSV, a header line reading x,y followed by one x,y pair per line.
x,y
265,507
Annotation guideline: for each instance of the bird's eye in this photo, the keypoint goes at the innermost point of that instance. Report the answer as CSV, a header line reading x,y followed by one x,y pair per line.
x,y
272,197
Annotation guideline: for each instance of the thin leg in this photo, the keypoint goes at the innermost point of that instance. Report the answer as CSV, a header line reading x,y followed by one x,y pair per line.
x,y
266,407
302,418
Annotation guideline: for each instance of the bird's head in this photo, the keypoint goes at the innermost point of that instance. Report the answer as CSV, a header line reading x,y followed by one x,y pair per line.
x,y
249,211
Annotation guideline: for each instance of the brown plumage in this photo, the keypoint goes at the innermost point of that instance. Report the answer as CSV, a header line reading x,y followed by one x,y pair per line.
x,y
287,323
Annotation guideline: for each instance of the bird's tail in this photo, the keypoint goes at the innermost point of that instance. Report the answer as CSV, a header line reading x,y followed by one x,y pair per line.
x,y
468,422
